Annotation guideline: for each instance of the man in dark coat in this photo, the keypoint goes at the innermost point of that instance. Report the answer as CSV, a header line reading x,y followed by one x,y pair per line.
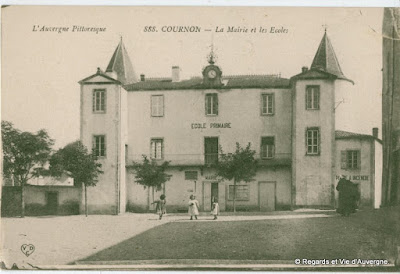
x,y
348,196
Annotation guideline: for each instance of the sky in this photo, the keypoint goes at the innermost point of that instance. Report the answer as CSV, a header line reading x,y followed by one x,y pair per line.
x,y
40,70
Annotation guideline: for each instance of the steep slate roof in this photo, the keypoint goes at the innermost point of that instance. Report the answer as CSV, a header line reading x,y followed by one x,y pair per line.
x,y
325,63
245,81
121,64
340,134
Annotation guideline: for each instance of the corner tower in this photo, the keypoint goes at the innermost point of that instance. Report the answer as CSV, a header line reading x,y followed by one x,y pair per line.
x,y
313,130
103,119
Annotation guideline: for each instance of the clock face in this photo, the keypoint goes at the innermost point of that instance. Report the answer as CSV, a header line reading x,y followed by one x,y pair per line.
x,y
212,74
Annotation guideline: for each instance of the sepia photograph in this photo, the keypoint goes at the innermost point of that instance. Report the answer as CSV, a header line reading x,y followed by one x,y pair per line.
x,y
200,138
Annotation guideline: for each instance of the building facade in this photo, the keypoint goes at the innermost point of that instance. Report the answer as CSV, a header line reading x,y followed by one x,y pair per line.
x,y
43,196
359,159
290,123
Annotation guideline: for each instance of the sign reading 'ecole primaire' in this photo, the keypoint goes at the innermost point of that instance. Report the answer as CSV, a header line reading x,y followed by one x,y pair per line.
x,y
210,125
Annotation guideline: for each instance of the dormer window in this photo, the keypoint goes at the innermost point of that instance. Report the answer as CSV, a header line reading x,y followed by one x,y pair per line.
x,y
99,100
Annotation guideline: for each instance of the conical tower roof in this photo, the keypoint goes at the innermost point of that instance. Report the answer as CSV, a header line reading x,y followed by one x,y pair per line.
x,y
325,59
121,64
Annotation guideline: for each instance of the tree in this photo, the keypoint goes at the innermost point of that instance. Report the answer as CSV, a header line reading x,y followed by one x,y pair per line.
x,y
24,155
81,165
239,167
151,174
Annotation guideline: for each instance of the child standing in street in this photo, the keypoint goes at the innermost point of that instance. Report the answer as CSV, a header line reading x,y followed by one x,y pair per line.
x,y
215,207
160,207
193,207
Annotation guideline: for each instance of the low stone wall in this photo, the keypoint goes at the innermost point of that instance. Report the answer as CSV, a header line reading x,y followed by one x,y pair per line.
x,y
35,200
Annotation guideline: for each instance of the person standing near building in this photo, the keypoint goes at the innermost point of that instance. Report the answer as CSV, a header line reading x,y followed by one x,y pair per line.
x,y
215,207
347,196
161,206
193,207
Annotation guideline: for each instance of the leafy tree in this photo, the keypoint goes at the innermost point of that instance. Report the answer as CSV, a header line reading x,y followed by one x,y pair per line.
x,y
81,165
150,174
239,167
24,155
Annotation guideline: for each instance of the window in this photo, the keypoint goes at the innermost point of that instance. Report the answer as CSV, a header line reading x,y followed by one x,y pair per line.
x,y
267,104
313,141
312,97
267,147
212,104
191,175
99,100
350,159
157,105
242,192
210,150
99,145
157,148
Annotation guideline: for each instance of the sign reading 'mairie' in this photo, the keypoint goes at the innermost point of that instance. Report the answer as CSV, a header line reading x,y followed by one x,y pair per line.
x,y
210,125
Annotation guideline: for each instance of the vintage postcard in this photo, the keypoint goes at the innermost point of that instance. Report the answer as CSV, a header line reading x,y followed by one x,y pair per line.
x,y
200,138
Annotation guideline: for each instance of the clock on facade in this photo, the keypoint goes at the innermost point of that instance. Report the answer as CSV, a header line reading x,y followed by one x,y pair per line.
x,y
212,74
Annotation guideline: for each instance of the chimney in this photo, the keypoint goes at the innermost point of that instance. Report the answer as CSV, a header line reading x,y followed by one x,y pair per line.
x,y
142,78
375,132
175,74
304,69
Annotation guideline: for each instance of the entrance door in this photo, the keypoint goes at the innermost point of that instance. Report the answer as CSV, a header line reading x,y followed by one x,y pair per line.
x,y
266,196
52,203
214,192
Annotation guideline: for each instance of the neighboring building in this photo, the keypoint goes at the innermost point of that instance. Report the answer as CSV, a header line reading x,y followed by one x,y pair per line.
x,y
289,122
43,196
359,158
391,106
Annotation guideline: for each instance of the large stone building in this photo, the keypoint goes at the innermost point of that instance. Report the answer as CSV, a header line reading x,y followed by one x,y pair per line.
x,y
391,106
289,122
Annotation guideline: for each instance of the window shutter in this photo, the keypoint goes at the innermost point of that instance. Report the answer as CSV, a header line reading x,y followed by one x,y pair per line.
x,y
306,141
273,150
104,100
272,104
317,97
162,105
215,104
94,101
206,104
263,104
153,149
343,159
358,159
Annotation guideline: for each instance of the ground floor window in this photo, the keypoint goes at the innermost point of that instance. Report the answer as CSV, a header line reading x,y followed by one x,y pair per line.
x,y
191,175
242,192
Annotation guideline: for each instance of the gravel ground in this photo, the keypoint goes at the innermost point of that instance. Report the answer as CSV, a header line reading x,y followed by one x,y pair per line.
x,y
273,239
63,240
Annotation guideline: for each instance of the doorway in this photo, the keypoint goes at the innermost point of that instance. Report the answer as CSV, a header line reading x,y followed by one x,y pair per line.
x,y
266,196
214,192
52,203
